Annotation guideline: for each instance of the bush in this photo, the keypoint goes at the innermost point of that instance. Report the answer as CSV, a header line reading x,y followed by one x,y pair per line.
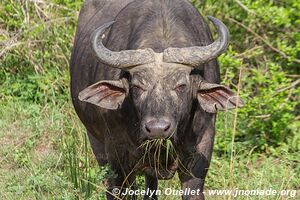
x,y
264,52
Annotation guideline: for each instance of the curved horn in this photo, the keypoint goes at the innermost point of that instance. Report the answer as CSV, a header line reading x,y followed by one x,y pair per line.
x,y
123,59
194,56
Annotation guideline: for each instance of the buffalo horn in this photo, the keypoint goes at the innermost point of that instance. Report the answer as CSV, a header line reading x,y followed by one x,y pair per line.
x,y
123,59
197,55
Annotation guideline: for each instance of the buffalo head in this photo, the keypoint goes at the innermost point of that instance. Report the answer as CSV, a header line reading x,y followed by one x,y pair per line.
x,y
162,86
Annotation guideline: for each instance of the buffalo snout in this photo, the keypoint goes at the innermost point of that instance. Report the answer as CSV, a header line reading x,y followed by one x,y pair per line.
x,y
158,127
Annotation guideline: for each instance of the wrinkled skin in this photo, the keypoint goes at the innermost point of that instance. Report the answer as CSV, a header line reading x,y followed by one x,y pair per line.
x,y
151,86
122,109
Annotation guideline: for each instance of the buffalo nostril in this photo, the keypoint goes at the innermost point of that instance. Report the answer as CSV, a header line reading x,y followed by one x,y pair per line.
x,y
167,128
147,129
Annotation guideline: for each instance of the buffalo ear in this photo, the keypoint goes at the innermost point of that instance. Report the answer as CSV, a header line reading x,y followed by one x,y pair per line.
x,y
215,97
106,94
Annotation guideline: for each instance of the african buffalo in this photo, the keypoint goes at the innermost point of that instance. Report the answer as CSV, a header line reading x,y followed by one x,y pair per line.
x,y
145,83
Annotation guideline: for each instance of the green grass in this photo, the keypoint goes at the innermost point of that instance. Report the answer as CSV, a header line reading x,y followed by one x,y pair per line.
x,y
44,150
44,155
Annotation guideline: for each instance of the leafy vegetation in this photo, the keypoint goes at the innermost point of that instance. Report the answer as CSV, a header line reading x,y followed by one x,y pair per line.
x,y
44,150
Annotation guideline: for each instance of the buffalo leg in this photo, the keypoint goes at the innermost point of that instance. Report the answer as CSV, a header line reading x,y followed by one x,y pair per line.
x,y
116,179
192,178
98,148
197,164
118,184
151,184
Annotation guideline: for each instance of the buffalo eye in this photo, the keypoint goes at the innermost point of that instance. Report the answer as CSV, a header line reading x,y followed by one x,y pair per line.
x,y
136,87
137,90
180,88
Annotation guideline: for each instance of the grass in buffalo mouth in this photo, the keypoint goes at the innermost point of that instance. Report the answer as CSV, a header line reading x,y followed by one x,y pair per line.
x,y
153,149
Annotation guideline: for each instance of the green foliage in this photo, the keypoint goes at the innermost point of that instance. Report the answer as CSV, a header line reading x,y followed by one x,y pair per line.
x,y
264,54
44,150
35,51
